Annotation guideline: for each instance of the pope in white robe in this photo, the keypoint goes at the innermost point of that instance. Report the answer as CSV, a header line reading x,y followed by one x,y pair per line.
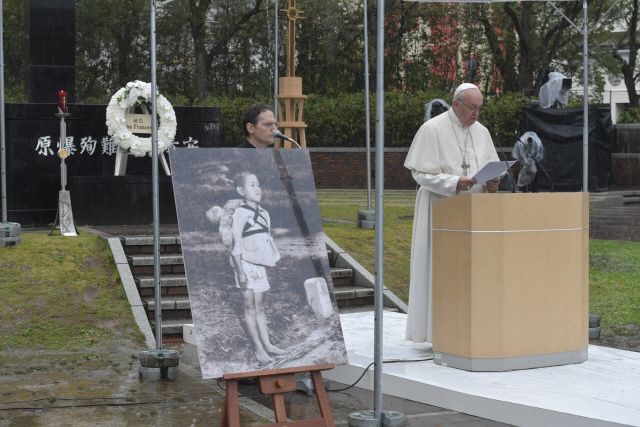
x,y
445,153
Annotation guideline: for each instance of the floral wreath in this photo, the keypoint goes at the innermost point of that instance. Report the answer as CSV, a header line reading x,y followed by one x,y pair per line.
x,y
133,94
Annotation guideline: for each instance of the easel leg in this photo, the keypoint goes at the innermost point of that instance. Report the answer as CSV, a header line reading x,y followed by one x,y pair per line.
x,y
165,165
323,400
231,409
279,408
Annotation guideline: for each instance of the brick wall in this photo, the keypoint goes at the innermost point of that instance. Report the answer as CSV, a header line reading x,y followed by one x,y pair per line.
x,y
347,168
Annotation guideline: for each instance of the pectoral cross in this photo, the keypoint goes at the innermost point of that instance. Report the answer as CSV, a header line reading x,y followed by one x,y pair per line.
x,y
293,14
465,166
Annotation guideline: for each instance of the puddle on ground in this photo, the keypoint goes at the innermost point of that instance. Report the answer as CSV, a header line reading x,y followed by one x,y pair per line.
x,y
102,389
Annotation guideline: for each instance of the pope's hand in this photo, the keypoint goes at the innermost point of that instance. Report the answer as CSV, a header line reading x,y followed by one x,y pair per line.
x,y
465,184
493,184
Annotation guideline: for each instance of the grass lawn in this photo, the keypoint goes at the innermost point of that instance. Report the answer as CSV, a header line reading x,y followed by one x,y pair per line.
x,y
614,273
614,269
61,293
339,223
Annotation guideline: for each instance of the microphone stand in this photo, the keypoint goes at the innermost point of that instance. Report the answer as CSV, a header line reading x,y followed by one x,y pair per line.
x,y
537,163
513,179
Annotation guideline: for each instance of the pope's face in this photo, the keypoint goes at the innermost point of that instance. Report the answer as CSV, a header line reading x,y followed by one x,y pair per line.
x,y
467,110
251,190
260,133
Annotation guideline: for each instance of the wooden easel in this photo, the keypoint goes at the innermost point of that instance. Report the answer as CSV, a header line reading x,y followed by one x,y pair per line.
x,y
290,105
276,382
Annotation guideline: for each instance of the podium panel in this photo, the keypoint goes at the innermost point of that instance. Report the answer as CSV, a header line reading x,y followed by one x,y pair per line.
x,y
511,280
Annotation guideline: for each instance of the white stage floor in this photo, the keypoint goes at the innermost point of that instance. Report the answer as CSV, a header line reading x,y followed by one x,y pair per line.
x,y
602,391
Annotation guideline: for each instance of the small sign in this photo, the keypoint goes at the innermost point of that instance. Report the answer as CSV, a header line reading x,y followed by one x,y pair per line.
x,y
138,123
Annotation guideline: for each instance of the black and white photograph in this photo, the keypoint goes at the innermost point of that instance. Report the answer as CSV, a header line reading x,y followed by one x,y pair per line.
x,y
255,259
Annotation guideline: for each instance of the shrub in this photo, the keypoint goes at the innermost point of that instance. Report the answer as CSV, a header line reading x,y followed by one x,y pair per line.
x,y
630,116
503,117
339,121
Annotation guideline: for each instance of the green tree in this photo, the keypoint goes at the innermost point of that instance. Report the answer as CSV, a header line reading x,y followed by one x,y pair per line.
x,y
15,50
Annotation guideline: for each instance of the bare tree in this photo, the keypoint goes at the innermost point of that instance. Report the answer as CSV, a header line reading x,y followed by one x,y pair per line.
x,y
200,11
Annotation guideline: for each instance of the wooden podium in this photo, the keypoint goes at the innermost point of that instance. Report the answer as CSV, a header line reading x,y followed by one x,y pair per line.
x,y
510,280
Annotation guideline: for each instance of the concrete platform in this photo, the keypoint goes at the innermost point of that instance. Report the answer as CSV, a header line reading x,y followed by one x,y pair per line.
x,y
602,391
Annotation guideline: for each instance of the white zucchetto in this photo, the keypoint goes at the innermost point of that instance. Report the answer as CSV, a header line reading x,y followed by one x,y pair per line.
x,y
463,87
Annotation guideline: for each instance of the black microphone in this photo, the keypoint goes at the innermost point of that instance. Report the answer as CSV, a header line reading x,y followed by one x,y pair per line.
x,y
537,163
513,179
277,134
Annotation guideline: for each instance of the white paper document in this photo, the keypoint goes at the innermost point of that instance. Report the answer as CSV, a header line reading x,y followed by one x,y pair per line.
x,y
492,170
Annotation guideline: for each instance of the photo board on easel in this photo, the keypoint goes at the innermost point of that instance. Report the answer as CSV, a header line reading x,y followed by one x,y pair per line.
x,y
255,258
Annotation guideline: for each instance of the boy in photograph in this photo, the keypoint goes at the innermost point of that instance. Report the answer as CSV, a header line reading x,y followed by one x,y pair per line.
x,y
252,251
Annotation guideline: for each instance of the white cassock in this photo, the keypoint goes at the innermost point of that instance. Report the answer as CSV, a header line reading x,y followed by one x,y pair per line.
x,y
435,160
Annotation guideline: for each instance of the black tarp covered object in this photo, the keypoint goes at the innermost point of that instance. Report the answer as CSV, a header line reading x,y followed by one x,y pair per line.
x,y
560,130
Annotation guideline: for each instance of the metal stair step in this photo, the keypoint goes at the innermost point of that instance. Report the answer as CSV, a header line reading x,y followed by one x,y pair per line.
x,y
169,302
166,280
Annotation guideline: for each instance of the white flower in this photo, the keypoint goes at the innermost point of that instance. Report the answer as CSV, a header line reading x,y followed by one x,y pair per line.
x,y
163,103
124,103
146,91
115,120
135,93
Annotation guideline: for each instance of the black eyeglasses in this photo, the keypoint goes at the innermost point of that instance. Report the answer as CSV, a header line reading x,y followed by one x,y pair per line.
x,y
473,109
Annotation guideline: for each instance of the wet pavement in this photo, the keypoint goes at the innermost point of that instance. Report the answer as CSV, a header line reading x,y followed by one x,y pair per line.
x,y
102,388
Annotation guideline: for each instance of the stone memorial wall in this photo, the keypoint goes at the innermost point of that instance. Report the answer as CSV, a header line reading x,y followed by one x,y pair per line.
x,y
98,197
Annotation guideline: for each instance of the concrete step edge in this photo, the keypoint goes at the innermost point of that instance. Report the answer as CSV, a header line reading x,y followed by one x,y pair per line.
x,y
169,302
172,326
145,260
148,240
166,280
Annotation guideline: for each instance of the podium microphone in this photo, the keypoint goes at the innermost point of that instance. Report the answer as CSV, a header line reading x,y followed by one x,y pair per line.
x,y
537,163
513,179
277,134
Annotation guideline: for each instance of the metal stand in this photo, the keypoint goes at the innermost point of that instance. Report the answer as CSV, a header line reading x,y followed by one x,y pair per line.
x,y
156,365
305,384
122,155
64,216
64,213
367,219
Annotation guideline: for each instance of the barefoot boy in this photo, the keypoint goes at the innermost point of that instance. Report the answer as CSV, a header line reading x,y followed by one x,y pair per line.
x,y
252,251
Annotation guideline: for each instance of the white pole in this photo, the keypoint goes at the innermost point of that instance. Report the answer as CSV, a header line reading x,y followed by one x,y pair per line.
x,y
366,100
154,163
275,65
3,156
379,225
585,82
